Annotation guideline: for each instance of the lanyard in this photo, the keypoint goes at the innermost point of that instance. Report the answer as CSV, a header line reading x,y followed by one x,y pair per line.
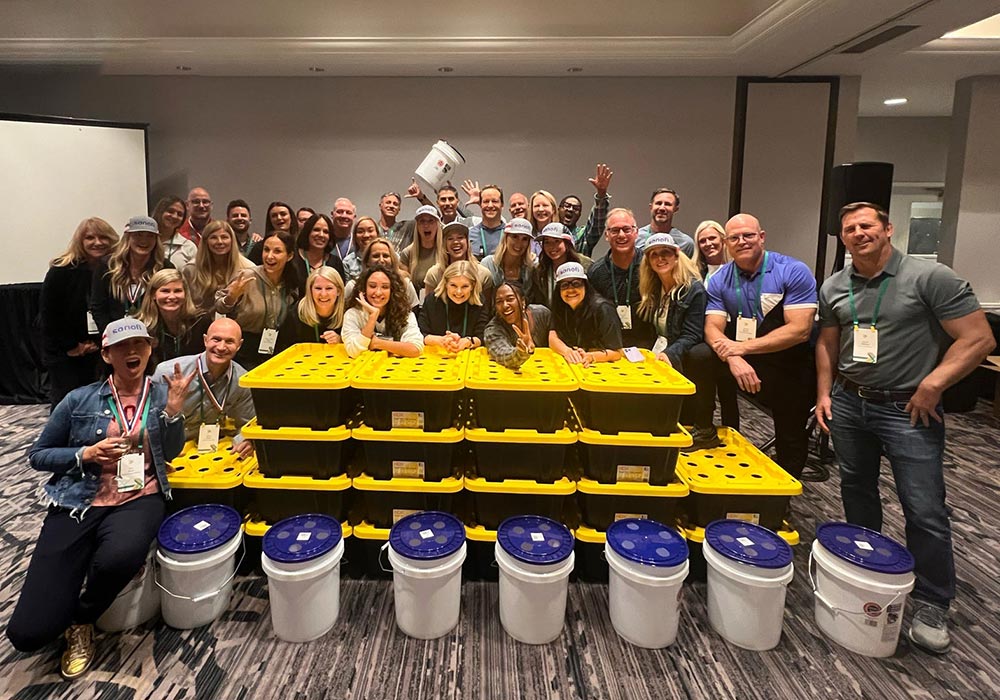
x,y
739,291
284,303
878,300
206,388
465,320
134,293
350,246
628,283
141,410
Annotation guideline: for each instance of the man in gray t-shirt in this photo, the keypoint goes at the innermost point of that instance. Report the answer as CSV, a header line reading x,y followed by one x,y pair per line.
x,y
896,331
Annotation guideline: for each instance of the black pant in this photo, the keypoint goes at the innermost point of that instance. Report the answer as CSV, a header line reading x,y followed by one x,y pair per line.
x,y
697,364
69,373
107,549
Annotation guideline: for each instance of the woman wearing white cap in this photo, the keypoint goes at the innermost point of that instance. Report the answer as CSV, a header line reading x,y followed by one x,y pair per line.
x,y
106,445
421,254
453,247
585,327
513,259
453,317
557,248
673,300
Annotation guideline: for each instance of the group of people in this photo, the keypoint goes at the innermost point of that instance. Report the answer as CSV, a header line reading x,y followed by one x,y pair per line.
x,y
198,301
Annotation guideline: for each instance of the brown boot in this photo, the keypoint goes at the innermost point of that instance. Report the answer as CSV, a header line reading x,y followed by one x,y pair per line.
x,y
79,652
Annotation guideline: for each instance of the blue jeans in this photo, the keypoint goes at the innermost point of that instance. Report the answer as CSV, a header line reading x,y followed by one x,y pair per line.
x,y
861,431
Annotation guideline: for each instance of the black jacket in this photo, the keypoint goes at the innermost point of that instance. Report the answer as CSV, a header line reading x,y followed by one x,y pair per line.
x,y
65,296
439,315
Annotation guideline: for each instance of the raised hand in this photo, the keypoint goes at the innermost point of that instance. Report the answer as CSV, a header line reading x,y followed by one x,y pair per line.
x,y
471,188
602,179
177,388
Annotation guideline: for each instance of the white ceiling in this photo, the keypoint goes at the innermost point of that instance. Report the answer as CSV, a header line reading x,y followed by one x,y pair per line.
x,y
513,38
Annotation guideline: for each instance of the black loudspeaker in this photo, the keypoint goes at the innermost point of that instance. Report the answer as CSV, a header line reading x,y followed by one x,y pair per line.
x,y
854,182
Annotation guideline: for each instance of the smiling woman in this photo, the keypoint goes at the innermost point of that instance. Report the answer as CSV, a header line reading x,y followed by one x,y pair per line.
x,y
454,317
379,317
173,321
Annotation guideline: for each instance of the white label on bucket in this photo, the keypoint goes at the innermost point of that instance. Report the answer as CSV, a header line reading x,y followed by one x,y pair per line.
x,y
413,420
400,513
203,525
745,541
861,544
407,470
426,534
749,517
303,536
537,537
633,472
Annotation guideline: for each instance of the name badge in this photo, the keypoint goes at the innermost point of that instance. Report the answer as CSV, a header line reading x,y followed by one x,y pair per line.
x,y
625,316
131,472
91,324
268,340
746,328
866,345
208,437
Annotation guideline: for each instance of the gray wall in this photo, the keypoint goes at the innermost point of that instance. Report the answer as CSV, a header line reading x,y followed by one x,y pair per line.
x,y
917,146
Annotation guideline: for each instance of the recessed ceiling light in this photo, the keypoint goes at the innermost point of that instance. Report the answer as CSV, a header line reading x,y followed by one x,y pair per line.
x,y
316,69
574,69
184,68
893,101
446,69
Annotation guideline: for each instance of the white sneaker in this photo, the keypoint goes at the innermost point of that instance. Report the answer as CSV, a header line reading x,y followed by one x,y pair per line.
x,y
929,629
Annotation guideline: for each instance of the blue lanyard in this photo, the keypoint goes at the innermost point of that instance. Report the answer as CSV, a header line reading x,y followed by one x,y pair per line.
x,y
739,291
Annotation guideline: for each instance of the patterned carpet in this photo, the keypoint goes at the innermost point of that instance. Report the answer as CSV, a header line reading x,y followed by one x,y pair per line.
x,y
365,656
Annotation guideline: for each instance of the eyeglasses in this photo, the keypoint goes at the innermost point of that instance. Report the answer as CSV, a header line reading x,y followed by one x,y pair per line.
x,y
571,284
748,237
615,230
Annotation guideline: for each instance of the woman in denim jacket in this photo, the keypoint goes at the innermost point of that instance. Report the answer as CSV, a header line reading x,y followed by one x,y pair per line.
x,y
107,445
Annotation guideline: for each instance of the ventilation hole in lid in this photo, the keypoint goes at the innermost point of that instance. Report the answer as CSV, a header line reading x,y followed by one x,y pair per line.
x,y
228,469
205,469
703,476
744,464
730,476
756,476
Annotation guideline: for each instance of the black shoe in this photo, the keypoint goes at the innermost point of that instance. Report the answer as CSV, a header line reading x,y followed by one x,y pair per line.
x,y
704,438
814,473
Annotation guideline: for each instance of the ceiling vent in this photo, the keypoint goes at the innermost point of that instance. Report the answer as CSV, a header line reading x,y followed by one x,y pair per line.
x,y
881,38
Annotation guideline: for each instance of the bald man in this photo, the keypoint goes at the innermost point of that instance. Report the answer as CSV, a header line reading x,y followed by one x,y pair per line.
x,y
758,321
216,405
199,205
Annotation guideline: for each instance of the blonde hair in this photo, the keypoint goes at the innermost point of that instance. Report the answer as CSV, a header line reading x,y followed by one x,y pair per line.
x,y
149,312
461,268
412,251
701,263
119,272
527,259
307,307
74,252
207,275
651,289
531,209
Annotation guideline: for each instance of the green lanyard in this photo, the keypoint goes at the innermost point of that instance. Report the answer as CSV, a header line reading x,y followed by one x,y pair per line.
x,y
122,425
878,301
465,321
284,304
628,283
739,291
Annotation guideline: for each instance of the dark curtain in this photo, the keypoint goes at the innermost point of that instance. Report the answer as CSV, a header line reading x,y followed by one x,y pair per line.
x,y
22,375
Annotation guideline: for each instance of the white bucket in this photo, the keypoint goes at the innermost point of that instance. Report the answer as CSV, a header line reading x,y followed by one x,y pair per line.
x,y
439,165
643,600
305,596
138,602
859,609
427,593
746,604
196,588
533,597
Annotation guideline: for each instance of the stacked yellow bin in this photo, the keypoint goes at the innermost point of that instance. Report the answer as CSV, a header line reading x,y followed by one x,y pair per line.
x,y
208,477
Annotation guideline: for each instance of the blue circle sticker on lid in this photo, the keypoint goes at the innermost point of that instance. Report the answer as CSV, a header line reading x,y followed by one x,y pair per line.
x,y
748,544
647,542
301,538
430,534
199,529
865,548
535,539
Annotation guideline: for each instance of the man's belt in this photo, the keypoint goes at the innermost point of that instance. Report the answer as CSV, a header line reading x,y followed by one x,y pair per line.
x,y
869,393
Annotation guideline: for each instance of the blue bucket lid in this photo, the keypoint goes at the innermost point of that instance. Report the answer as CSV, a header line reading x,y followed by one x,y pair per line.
x,y
429,534
748,544
647,542
199,529
301,538
534,539
865,548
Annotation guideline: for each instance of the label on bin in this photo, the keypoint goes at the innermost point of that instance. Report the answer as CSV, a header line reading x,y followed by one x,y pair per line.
x,y
414,420
749,517
633,472
202,525
861,544
745,541
624,516
400,513
407,470
537,537
426,533
303,536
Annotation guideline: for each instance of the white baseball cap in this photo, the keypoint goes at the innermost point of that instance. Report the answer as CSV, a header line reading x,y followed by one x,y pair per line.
x,y
518,225
556,230
570,271
429,209
123,329
659,240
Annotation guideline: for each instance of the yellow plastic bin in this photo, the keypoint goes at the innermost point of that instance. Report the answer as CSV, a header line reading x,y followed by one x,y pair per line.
x,y
603,504
254,531
627,456
735,480
275,498
208,477
320,454
495,501
532,397
419,393
381,502
696,537
521,454
306,386
624,396
410,453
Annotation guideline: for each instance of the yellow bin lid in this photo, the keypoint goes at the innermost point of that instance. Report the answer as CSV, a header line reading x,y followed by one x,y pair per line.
x,y
624,377
255,480
563,436
434,370
735,468
589,535
221,469
675,489
448,435
563,487
680,439
259,528
253,431
366,531
452,484
304,366
545,370
478,533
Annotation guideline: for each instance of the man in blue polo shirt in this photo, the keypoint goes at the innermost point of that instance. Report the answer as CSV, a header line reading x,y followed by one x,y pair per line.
x,y
758,320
